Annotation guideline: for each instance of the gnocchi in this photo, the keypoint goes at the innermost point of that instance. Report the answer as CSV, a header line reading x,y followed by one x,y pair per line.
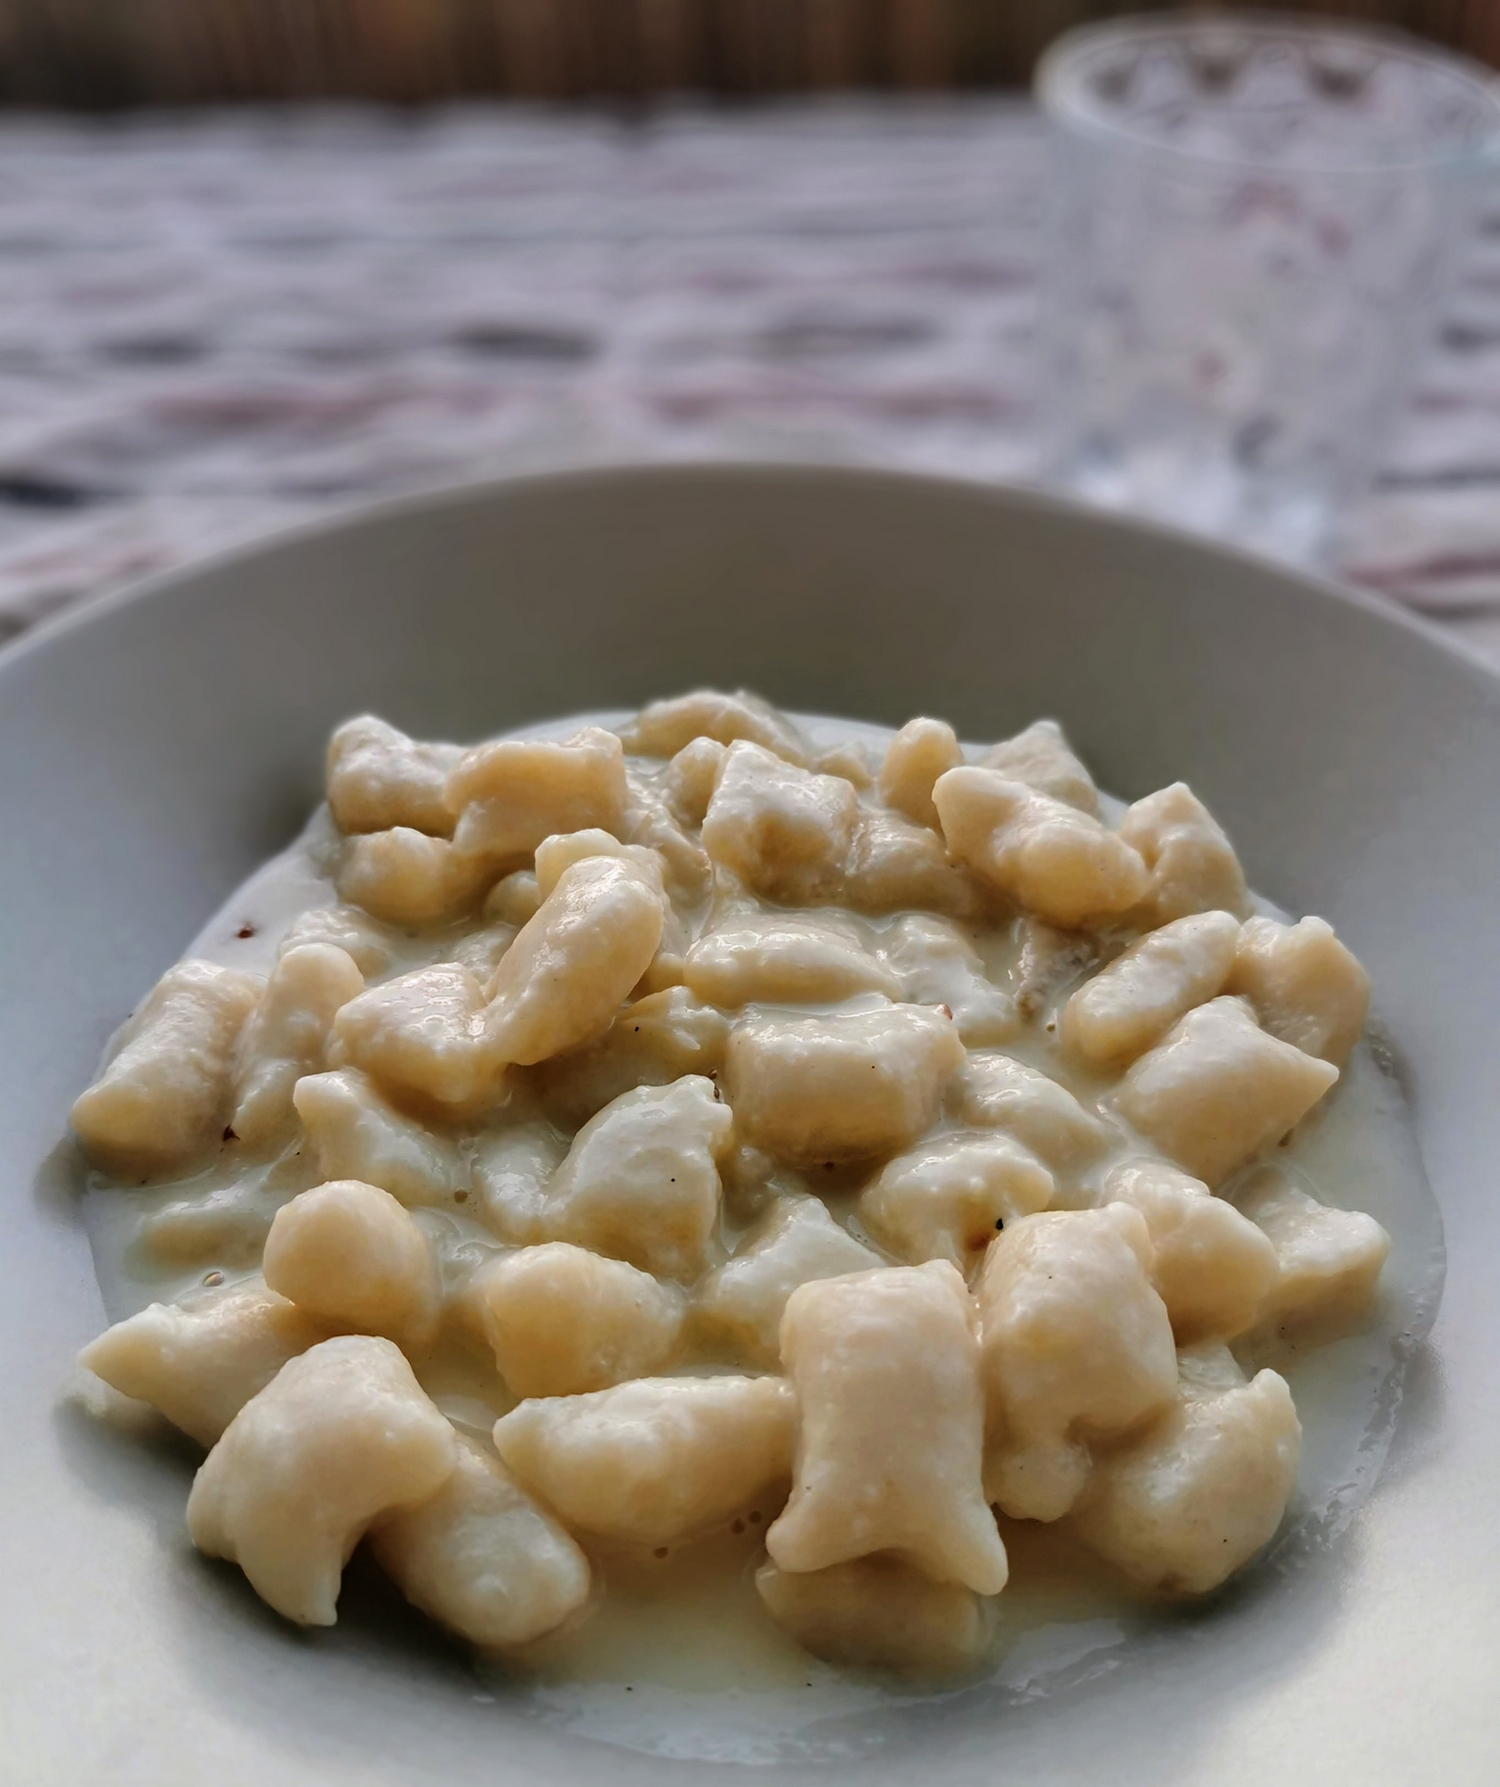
x,y
510,795
654,1461
1077,1348
1201,1492
341,1436
887,1374
784,831
286,1036
198,1363
378,778
848,1087
161,1098
561,1320
347,1254
795,1242
1218,1088
705,1134
482,1558
357,1133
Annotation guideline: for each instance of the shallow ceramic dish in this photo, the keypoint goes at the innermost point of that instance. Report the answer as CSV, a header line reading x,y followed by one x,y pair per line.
x,y
154,751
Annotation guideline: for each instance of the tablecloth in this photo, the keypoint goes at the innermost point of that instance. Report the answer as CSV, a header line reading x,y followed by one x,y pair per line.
x,y
214,325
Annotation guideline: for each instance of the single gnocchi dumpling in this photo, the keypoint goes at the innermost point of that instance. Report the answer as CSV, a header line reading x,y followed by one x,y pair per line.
x,y
198,1363
561,1320
886,1370
481,951
356,1133
1133,1001
378,778
366,942
848,1087
406,877
776,958
342,1436
920,752
1211,1266
938,965
850,758
426,1034
350,1256
286,1035
997,1091
641,1180
1217,1089
557,853
949,1197
656,1460
650,824
514,898
1048,857
1192,865
794,1242
512,1170
651,1042
878,1613
511,793
1077,1349
1328,1261
1200,1493
1042,758
1306,987
895,864
784,831
482,1558
667,727
163,1097
692,776
574,964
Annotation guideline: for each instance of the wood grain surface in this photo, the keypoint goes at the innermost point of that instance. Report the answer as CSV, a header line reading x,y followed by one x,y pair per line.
x,y
109,53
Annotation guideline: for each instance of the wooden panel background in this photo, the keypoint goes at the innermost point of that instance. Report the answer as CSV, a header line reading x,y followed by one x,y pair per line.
x,y
112,53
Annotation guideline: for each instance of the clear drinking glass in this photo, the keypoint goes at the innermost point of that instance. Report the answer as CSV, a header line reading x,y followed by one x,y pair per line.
x,y
1255,220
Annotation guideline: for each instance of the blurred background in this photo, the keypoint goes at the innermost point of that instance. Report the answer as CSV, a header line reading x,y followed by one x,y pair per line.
x,y
104,53
264,259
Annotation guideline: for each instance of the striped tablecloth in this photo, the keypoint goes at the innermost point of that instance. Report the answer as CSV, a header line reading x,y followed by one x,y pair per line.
x,y
214,326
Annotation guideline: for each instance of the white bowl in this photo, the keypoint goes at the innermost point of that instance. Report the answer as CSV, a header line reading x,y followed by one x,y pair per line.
x,y
154,750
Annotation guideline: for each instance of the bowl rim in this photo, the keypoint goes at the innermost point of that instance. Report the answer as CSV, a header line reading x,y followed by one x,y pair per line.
x,y
47,632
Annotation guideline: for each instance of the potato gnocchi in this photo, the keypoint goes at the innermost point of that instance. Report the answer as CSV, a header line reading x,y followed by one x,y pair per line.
x,y
686,1131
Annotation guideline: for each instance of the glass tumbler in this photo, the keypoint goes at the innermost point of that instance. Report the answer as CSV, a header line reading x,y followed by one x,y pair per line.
x,y
1254,221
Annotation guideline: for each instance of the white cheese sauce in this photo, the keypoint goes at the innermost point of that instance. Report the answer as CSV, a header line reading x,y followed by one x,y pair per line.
x,y
709,1675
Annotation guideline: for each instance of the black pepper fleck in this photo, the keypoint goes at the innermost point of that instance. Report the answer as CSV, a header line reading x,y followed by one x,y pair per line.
x,y
229,1134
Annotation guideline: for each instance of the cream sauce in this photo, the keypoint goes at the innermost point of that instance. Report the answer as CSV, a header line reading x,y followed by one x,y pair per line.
x,y
677,1657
